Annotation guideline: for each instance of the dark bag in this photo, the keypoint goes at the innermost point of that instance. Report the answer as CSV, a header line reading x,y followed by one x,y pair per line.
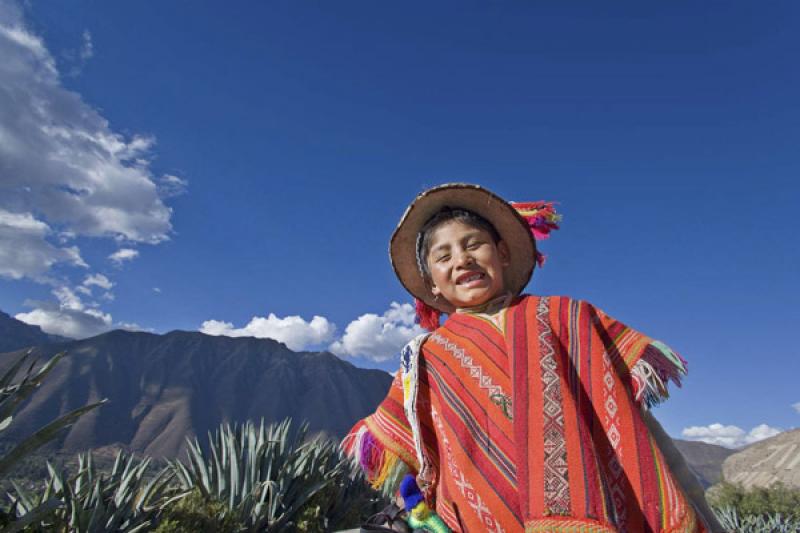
x,y
388,520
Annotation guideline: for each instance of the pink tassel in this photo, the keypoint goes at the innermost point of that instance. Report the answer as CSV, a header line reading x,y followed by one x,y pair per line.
x,y
427,316
541,218
371,454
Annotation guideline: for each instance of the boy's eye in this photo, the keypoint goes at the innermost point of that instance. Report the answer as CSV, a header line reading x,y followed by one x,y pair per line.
x,y
443,258
473,245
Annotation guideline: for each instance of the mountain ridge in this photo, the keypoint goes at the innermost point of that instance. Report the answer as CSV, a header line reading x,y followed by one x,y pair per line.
x,y
158,383
704,459
163,388
15,334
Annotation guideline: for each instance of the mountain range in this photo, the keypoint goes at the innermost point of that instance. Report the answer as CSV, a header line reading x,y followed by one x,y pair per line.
x,y
164,388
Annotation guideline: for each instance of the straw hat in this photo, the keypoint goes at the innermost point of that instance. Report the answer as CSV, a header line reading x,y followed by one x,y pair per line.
x,y
516,226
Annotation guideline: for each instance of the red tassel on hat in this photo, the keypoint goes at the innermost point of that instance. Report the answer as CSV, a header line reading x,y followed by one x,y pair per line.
x,y
427,316
541,218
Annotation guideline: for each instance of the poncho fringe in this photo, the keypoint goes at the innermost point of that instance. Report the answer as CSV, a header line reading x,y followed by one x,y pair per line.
x,y
657,366
383,468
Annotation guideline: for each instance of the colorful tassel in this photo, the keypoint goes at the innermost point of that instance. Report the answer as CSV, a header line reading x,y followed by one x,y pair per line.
x,y
427,317
653,371
420,516
382,468
541,217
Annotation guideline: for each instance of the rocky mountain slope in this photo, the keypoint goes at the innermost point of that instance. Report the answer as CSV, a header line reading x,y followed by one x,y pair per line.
x,y
704,459
776,459
163,388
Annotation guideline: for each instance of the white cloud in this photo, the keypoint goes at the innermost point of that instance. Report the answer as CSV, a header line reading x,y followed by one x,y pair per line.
x,y
72,316
24,250
157,290
133,326
68,299
729,436
87,48
95,280
122,255
76,59
170,186
98,280
379,337
293,331
67,322
69,318
796,407
63,169
83,290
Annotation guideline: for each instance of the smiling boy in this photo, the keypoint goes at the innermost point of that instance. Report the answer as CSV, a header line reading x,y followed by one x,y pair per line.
x,y
519,412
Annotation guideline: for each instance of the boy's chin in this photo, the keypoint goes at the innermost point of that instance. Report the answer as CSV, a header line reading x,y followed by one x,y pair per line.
x,y
477,300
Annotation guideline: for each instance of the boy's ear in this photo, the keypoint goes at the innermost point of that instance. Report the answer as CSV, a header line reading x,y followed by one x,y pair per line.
x,y
435,290
504,253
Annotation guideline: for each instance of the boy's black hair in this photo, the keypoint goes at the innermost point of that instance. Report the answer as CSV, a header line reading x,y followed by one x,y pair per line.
x,y
447,214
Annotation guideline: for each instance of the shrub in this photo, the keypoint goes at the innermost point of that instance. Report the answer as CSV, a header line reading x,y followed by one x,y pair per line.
x,y
123,499
757,501
774,509
264,476
344,504
733,522
195,513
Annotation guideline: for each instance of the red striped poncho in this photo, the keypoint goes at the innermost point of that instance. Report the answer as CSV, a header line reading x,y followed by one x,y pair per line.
x,y
537,427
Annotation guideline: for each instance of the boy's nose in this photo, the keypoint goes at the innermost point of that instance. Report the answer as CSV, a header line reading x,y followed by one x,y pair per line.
x,y
464,258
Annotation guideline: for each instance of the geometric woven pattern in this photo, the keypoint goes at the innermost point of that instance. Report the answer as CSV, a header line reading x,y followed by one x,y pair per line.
x,y
464,486
496,393
615,453
556,482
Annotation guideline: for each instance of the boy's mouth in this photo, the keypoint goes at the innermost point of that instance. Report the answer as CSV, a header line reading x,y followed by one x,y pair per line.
x,y
468,277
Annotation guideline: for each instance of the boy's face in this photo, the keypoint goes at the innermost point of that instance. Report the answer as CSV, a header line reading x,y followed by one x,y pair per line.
x,y
466,265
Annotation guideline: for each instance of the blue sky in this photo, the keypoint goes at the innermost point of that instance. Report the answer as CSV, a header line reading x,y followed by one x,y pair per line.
x,y
247,162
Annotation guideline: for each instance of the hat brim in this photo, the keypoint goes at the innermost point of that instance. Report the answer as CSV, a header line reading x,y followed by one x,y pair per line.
x,y
511,227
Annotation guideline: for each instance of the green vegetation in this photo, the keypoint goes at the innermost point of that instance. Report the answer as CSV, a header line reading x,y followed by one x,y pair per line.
x,y
249,478
12,394
121,500
268,478
196,513
252,478
773,509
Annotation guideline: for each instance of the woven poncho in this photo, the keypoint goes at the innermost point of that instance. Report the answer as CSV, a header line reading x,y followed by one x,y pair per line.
x,y
535,427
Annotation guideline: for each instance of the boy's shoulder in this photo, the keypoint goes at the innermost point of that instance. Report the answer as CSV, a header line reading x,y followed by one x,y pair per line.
x,y
409,354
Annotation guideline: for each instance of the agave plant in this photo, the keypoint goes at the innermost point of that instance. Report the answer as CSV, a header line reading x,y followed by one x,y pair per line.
x,y
732,521
12,394
263,475
122,500
344,504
